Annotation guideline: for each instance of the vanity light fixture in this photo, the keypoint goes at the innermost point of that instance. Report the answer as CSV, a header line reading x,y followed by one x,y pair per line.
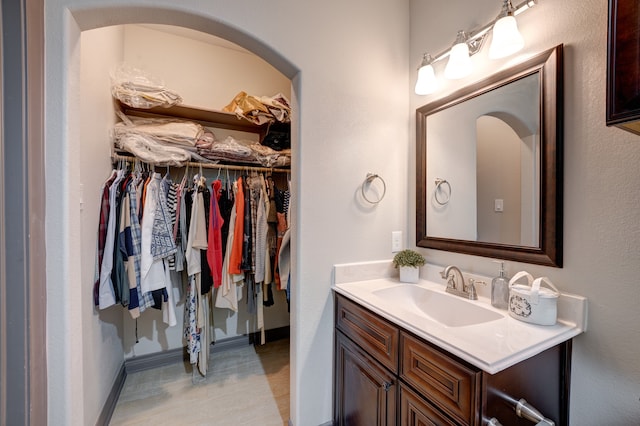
x,y
506,41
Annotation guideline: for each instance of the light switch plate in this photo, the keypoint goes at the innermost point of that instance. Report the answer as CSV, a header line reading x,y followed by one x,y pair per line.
x,y
499,204
396,241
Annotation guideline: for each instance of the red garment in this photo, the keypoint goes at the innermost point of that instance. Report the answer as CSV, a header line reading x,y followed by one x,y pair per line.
x,y
235,260
214,237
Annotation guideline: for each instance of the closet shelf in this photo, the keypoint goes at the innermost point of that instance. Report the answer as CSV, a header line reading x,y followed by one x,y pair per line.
x,y
120,157
208,118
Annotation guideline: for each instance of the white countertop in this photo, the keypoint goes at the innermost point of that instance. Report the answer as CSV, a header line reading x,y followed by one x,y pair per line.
x,y
491,346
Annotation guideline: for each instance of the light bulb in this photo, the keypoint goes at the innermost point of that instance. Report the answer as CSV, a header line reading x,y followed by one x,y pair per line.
x,y
426,82
459,64
507,40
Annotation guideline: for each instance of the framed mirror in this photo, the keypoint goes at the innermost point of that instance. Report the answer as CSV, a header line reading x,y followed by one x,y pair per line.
x,y
489,166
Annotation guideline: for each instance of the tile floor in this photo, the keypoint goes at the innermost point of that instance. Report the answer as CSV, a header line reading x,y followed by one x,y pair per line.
x,y
244,386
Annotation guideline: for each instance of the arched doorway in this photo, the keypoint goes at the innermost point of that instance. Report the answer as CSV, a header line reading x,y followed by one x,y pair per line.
x,y
66,326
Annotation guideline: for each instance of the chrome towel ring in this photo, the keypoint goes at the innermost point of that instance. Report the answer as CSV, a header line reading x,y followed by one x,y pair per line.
x,y
439,189
367,182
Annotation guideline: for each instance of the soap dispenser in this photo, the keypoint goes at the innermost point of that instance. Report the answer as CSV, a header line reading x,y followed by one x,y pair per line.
x,y
500,288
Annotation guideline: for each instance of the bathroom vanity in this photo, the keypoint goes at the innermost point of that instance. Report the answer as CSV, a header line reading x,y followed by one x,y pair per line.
x,y
395,364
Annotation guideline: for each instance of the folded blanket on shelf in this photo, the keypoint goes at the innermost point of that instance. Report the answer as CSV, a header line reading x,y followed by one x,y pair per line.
x,y
243,151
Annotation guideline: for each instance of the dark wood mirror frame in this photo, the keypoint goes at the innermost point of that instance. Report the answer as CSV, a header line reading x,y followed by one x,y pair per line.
x,y
549,251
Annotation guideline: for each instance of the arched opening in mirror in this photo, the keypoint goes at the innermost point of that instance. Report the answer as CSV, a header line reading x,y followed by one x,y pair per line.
x,y
508,184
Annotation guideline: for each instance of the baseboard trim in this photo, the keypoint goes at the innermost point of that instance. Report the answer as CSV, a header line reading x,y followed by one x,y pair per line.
x,y
271,335
160,359
154,360
112,399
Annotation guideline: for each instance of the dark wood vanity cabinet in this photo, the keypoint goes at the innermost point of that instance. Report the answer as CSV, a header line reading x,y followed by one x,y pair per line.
x,y
623,67
384,375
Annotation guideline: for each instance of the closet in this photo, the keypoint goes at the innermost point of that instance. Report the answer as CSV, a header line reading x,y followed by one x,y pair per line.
x,y
202,78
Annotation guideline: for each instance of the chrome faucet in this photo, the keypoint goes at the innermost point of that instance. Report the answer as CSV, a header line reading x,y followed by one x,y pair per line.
x,y
459,288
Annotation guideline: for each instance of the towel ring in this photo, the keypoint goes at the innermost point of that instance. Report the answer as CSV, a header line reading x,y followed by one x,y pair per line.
x,y
439,183
367,181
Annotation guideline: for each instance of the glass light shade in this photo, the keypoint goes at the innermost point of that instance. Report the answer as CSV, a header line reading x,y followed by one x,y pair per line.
x,y
427,82
507,40
459,64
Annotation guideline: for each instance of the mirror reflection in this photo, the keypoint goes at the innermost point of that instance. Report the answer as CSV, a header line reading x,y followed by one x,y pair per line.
x,y
489,165
488,151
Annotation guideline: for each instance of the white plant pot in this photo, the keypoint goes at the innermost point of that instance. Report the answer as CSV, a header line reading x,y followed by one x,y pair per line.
x,y
409,274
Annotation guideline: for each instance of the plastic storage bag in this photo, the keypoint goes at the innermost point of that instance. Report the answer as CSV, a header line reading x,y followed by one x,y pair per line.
x,y
138,89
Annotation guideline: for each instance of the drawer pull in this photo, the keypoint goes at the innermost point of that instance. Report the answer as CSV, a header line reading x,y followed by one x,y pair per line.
x,y
527,411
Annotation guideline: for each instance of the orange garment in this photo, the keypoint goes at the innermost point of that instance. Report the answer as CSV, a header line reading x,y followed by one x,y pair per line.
x,y
238,233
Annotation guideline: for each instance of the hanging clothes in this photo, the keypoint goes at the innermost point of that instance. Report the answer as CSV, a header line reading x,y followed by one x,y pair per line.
x,y
247,234
206,279
106,293
151,228
238,233
102,233
191,333
214,249
230,292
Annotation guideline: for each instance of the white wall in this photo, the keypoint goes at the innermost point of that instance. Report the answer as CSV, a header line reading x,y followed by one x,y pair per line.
x,y
601,193
206,75
350,97
101,350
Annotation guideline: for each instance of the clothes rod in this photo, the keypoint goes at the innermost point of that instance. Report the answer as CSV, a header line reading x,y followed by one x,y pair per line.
x,y
118,157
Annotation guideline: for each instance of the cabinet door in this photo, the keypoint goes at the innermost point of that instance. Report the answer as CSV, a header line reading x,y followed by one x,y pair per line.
x,y
623,70
415,411
365,392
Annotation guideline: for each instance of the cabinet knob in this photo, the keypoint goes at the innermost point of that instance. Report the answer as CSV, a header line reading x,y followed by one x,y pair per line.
x,y
387,386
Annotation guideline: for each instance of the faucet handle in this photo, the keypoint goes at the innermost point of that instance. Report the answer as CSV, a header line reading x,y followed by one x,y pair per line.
x,y
472,282
471,289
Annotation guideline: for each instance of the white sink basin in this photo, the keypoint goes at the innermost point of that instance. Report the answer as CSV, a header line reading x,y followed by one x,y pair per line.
x,y
447,309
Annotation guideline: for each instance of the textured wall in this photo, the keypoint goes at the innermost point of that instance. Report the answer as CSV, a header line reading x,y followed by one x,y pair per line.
x,y
601,186
102,331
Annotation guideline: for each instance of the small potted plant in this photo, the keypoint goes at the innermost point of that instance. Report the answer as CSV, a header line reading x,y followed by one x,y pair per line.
x,y
409,263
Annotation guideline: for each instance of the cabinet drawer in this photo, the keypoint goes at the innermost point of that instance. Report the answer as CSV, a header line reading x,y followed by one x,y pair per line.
x,y
446,383
375,335
415,411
